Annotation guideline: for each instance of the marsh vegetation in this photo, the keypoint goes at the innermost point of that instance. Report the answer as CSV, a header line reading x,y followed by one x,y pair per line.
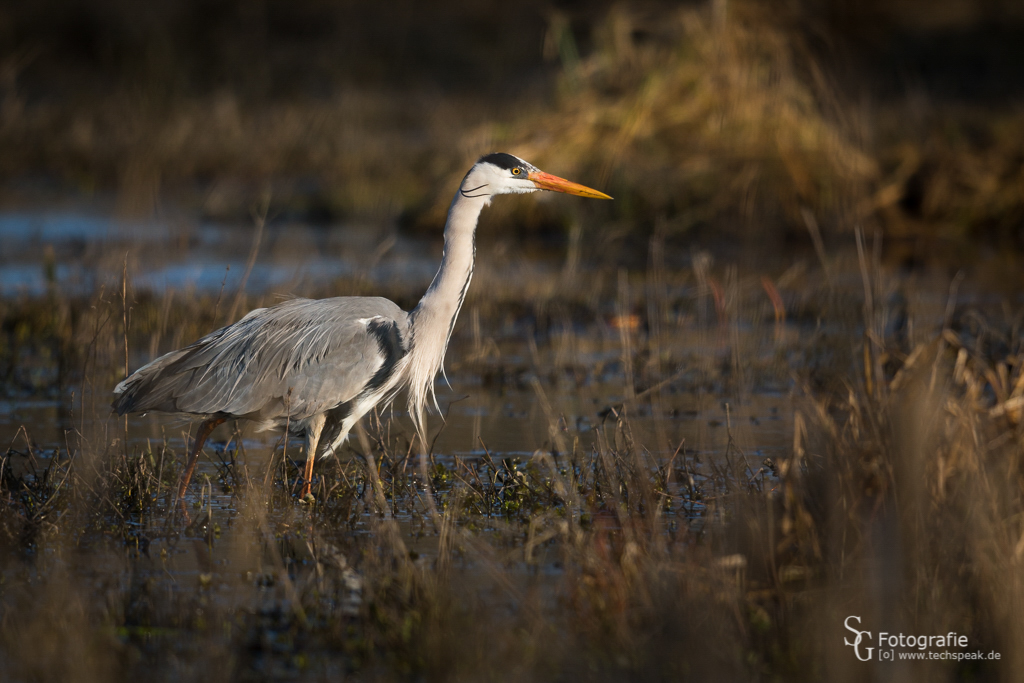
x,y
684,436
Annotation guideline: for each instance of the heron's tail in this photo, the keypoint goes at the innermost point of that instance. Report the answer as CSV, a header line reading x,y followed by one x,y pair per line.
x,y
148,388
124,395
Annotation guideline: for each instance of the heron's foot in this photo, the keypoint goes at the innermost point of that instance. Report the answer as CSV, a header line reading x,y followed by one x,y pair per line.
x,y
306,497
184,511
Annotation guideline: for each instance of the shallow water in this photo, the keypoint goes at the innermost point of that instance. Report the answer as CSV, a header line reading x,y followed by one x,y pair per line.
x,y
76,250
511,423
508,424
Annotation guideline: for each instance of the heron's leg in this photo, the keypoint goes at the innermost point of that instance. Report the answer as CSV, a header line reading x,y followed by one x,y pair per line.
x,y
202,434
313,431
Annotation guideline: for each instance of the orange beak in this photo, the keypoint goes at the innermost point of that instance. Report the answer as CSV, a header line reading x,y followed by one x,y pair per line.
x,y
546,181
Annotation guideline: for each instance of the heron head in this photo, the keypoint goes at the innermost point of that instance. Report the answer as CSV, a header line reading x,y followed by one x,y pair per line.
x,y
501,173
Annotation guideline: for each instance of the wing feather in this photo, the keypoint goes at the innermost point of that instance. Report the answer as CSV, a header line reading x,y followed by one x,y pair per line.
x,y
320,350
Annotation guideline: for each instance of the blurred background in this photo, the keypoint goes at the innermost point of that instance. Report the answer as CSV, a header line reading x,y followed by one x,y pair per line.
x,y
778,381
745,127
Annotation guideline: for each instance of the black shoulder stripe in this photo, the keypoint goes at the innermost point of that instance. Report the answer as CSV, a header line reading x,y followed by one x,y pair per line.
x,y
389,341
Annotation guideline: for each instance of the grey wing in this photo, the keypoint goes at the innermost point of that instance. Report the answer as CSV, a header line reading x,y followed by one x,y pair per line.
x,y
296,359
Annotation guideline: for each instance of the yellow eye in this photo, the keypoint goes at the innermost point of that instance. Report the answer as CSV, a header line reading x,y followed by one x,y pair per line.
x,y
515,171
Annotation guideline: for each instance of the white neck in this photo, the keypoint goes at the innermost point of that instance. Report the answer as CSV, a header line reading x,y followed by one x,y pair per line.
x,y
434,317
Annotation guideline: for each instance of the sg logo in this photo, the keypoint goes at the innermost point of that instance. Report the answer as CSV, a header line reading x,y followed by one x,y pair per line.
x,y
856,641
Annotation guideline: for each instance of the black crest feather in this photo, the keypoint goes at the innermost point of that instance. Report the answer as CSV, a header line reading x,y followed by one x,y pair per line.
x,y
502,160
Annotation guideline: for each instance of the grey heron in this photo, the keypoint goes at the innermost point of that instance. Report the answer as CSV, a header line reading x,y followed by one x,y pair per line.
x,y
316,367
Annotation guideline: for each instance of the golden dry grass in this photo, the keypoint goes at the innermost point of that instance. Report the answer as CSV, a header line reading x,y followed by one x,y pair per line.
x,y
899,501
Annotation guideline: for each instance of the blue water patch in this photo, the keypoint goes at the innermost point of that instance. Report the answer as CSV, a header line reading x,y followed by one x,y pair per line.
x,y
79,252
45,228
